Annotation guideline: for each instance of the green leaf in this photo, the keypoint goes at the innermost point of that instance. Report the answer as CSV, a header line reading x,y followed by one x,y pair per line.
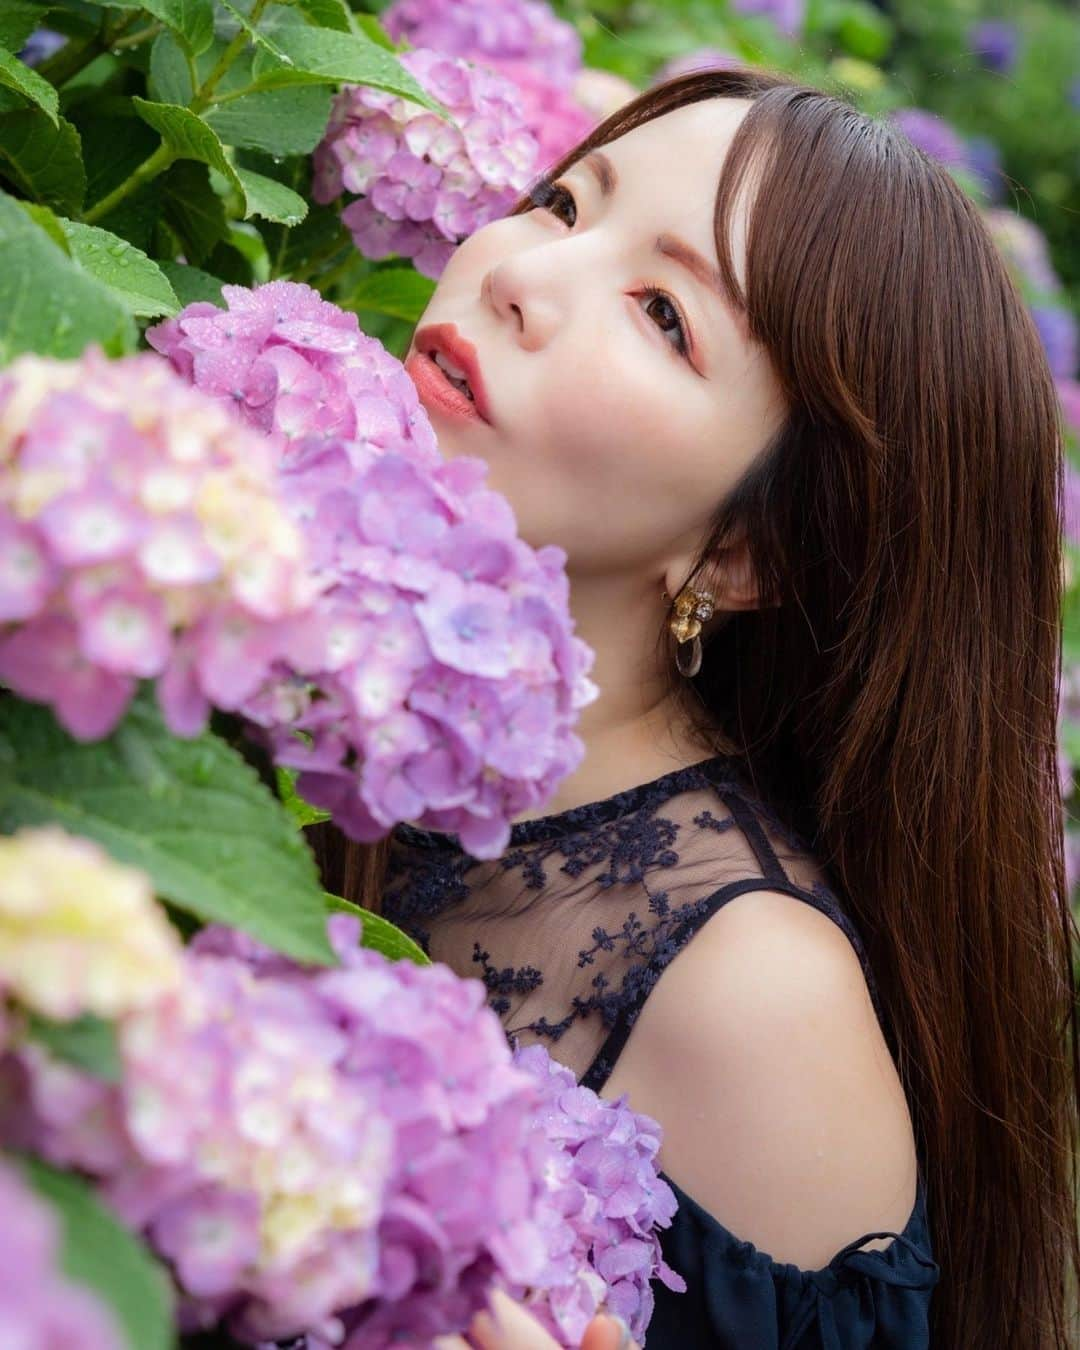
x,y
272,201
26,81
374,30
302,812
170,77
327,57
47,303
400,291
88,1042
334,14
191,20
188,137
193,814
191,284
378,933
138,283
44,218
99,1252
45,158
18,19
279,121
193,209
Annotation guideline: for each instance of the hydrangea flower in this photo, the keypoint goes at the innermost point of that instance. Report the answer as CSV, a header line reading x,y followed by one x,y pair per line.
x,y
295,366
1069,395
80,932
237,1143
524,31
523,40
40,45
426,184
1060,338
436,677
789,16
39,1305
1024,247
984,160
996,42
617,1200
701,58
141,537
933,135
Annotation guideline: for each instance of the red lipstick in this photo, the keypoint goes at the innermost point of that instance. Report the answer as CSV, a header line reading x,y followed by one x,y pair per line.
x,y
432,383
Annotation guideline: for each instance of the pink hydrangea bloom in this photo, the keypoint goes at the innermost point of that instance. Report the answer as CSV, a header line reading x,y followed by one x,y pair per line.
x,y
436,677
237,1143
1024,247
141,537
553,114
39,1305
617,1200
295,366
423,184
527,31
701,58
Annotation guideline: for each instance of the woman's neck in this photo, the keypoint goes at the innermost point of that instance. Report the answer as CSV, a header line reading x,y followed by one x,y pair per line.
x,y
622,755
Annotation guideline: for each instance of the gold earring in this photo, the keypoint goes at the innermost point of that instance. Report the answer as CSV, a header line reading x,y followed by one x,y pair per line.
x,y
692,609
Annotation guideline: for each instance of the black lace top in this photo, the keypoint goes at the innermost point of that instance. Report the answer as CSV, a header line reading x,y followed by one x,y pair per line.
x,y
570,930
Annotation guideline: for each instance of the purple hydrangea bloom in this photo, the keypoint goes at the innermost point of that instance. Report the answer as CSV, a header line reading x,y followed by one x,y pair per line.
x,y
436,676
1060,337
701,58
996,43
39,1305
789,16
933,135
295,367
1024,247
40,45
1071,522
425,183
984,160
616,1197
525,31
1069,395
141,537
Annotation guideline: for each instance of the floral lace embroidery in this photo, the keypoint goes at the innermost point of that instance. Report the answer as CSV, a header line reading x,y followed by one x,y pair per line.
x,y
557,875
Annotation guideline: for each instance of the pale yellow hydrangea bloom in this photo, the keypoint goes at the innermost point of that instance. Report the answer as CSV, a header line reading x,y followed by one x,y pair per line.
x,y
80,932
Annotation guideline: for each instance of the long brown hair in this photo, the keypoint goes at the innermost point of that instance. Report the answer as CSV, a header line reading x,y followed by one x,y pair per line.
x,y
898,701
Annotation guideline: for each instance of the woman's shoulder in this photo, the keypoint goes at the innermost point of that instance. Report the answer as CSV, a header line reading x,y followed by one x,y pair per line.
x,y
760,1053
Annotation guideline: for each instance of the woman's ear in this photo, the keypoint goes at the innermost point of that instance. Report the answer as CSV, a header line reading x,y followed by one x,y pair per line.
x,y
731,578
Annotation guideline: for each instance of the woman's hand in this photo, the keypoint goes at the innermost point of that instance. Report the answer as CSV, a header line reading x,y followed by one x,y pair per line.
x,y
509,1327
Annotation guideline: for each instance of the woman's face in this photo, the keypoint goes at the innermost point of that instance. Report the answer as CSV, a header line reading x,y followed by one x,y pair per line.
x,y
604,436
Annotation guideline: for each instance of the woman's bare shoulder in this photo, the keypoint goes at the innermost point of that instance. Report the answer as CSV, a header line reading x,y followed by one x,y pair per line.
x,y
760,1054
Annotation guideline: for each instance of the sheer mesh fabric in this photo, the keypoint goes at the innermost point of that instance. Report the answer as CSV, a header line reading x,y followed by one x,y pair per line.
x,y
572,927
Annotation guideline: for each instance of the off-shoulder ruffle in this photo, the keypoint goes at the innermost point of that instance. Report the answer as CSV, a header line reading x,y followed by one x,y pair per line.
x,y
740,1297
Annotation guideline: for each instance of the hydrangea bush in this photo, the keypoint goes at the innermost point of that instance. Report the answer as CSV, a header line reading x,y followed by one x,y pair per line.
x,y
235,568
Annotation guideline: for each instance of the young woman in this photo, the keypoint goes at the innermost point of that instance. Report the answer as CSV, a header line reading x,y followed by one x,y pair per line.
x,y
805,904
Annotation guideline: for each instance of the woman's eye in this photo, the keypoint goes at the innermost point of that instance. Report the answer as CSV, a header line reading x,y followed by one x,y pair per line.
x,y
554,197
662,300
551,196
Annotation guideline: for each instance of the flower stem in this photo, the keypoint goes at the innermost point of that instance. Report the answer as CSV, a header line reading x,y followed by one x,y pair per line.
x,y
163,156
205,93
149,168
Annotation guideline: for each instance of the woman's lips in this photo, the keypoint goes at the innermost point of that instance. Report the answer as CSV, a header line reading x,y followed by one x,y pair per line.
x,y
436,391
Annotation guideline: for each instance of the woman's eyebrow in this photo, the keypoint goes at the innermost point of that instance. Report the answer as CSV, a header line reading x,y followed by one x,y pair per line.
x,y
667,244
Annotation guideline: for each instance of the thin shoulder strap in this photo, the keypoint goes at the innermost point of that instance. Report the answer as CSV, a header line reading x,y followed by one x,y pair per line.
x,y
600,1069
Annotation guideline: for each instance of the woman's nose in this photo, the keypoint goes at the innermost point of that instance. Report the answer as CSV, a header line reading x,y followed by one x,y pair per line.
x,y
520,292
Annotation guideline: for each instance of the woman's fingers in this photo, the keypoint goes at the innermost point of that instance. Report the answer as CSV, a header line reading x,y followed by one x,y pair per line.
x,y
508,1326
607,1332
